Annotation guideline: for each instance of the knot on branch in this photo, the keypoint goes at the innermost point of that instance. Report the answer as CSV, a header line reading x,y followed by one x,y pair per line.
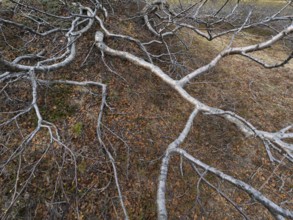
x,y
99,37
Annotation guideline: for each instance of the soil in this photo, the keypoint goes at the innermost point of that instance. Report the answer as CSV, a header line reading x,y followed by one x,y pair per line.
x,y
142,118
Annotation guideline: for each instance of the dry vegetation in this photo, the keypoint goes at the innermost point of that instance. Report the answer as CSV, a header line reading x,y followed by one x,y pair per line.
x,y
143,117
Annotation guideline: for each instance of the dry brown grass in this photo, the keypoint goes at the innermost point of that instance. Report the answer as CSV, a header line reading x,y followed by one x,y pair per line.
x,y
147,115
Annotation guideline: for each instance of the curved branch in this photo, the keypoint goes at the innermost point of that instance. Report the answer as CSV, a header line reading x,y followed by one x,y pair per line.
x,y
235,51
